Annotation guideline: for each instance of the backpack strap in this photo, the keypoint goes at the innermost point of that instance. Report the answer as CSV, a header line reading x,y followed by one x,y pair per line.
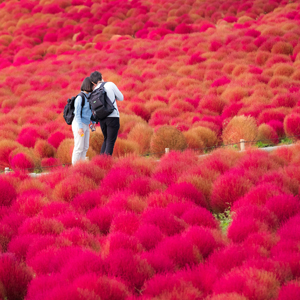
x,y
83,96
102,86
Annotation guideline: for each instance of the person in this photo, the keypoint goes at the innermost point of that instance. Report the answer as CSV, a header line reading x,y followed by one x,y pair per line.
x,y
111,124
81,122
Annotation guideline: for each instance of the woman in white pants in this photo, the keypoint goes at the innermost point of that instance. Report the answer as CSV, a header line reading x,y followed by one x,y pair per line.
x,y
81,122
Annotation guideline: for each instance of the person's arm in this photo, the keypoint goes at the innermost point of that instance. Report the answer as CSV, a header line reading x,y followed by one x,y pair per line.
x,y
117,94
77,105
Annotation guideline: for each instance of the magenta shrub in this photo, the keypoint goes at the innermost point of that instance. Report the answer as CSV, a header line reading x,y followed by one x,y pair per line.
x,y
164,220
203,239
187,191
126,222
284,206
199,216
290,291
179,250
7,191
149,236
101,217
14,277
131,269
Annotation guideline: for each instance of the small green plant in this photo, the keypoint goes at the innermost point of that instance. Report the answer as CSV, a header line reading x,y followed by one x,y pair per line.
x,y
225,219
261,144
286,140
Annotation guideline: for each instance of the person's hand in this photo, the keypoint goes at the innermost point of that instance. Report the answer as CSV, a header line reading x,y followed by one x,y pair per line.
x,y
81,132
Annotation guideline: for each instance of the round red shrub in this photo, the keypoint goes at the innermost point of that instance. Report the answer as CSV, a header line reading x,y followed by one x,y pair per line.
x,y
133,270
149,236
292,125
228,188
290,291
199,216
180,250
14,277
102,217
284,206
22,161
166,222
7,192
203,239
187,191
126,222
56,138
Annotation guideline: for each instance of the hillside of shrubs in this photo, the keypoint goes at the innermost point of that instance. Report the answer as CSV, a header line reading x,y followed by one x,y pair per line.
x,y
197,76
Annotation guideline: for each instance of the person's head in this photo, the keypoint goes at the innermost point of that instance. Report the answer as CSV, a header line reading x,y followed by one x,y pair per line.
x,y
95,77
87,85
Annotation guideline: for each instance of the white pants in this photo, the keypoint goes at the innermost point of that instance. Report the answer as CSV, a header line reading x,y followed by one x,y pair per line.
x,y
81,143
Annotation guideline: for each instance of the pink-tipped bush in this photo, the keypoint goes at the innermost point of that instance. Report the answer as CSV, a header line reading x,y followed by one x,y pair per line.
x,y
56,138
133,270
228,188
180,250
188,191
166,222
15,278
149,236
7,191
88,200
199,216
40,225
290,291
258,195
203,239
126,222
250,282
284,206
22,161
101,217
102,287
291,126
233,256
52,259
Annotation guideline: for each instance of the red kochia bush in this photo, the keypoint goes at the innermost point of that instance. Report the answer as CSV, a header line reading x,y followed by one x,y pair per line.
x,y
7,192
203,239
83,263
102,217
188,191
88,200
126,222
166,222
284,206
52,259
104,287
22,161
180,250
14,278
199,216
250,282
133,270
228,188
241,228
56,138
258,195
292,125
233,256
149,235
290,291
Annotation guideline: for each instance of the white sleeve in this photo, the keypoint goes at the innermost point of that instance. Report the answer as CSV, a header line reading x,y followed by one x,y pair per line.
x,y
113,92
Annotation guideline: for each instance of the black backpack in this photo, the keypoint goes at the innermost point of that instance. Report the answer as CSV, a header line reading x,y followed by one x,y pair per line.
x,y
100,103
69,108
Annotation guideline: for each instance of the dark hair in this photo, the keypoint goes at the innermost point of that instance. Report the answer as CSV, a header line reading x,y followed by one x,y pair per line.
x,y
95,77
87,85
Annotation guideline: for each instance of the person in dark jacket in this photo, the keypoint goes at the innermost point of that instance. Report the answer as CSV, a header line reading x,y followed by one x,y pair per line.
x,y
111,124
